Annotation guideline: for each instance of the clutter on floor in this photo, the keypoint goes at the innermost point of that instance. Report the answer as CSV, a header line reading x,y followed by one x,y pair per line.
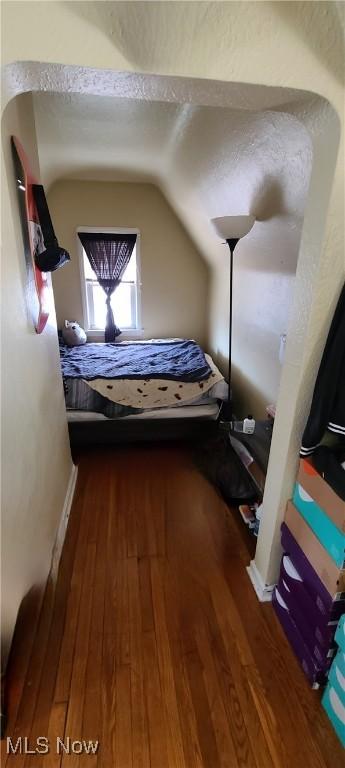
x,y
219,462
251,515
253,449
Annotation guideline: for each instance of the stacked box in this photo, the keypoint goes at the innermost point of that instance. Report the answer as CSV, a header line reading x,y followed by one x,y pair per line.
x,y
315,672
328,534
333,699
310,596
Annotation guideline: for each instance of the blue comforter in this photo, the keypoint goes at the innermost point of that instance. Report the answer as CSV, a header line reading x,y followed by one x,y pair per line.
x,y
180,360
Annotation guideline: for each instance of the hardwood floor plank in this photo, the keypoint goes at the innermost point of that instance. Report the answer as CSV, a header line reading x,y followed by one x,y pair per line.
x,y
229,617
123,724
56,730
91,723
174,738
255,733
147,617
118,507
74,574
78,679
140,741
238,716
221,726
45,693
206,734
267,719
106,754
150,512
154,703
189,730
121,620
131,527
153,641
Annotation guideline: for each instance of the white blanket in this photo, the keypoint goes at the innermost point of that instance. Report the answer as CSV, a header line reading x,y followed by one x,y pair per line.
x,y
155,393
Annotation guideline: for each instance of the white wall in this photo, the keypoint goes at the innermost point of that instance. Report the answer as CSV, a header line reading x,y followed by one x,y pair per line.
x,y
174,276
242,162
35,458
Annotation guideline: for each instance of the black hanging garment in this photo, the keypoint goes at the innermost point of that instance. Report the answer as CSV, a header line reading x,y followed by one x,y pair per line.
x,y
54,256
327,412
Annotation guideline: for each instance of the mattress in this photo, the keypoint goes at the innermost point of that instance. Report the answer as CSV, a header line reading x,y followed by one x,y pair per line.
x,y
127,397
207,412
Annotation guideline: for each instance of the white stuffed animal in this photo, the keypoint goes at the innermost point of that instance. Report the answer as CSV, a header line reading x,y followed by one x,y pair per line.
x,y
73,334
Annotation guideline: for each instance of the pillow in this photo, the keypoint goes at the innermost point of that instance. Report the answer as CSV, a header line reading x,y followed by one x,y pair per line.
x,y
73,334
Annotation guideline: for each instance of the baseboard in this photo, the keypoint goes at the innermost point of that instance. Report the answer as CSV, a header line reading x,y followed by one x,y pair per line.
x,y
263,591
60,536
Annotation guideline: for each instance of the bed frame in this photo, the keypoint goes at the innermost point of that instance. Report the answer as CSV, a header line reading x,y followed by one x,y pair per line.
x,y
114,432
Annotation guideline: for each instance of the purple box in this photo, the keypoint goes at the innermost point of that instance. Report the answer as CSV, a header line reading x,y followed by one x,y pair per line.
x,y
319,628
315,675
325,603
321,652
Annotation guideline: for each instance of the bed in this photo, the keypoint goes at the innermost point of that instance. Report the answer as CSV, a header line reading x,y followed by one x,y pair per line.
x,y
160,389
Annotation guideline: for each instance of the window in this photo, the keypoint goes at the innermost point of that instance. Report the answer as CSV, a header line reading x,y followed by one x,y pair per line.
x,y
124,300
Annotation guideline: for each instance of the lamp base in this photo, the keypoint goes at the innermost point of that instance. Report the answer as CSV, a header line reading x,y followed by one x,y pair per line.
x,y
226,411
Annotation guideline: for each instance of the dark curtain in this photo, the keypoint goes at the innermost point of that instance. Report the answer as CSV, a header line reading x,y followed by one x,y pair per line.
x,y
109,256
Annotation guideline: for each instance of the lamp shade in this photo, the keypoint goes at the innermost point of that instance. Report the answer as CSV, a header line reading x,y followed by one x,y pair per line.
x,y
233,227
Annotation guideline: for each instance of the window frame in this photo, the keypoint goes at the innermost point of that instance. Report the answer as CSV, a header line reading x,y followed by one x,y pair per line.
x,y
97,333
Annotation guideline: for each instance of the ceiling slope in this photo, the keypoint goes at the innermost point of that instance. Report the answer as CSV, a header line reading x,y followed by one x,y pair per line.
x,y
208,161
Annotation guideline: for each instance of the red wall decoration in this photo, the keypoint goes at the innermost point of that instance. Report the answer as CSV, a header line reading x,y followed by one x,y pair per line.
x,y
37,286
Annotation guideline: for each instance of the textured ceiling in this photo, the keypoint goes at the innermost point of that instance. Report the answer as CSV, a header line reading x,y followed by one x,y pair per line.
x,y
208,161
141,31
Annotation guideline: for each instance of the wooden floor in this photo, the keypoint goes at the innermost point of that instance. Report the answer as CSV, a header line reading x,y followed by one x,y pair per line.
x,y
154,642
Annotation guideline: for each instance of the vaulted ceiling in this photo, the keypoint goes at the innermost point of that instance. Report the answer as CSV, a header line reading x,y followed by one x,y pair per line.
x,y
208,161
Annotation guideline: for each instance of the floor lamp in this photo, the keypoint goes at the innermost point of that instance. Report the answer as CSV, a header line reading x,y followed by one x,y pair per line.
x,y
231,229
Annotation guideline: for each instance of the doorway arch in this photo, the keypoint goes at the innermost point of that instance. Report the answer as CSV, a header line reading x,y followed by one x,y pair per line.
x,y
317,278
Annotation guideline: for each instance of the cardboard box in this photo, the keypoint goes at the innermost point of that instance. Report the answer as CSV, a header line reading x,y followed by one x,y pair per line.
x,y
331,537
328,607
335,710
332,577
312,670
322,493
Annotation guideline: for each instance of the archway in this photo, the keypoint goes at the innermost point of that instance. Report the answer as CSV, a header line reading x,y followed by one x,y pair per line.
x,y
314,278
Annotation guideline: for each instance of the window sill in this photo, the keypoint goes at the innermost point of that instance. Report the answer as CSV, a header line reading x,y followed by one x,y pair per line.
x,y
127,333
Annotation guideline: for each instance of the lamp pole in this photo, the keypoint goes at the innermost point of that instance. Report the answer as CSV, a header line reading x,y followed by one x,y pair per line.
x,y
232,242
231,229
